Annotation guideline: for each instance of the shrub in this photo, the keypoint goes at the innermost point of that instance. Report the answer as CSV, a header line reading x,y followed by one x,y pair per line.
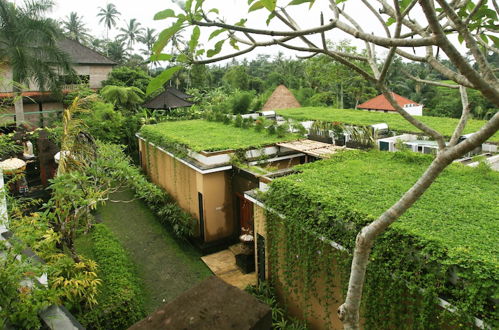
x,y
282,130
120,299
259,125
241,101
265,293
238,122
164,205
104,123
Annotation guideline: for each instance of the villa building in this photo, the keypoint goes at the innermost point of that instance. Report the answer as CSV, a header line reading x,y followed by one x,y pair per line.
x,y
381,104
90,67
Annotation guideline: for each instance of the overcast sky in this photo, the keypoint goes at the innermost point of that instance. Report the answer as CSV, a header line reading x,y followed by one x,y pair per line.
x,y
232,10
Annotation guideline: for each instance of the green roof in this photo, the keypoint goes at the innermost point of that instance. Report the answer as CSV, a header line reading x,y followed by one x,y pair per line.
x,y
201,135
459,213
394,120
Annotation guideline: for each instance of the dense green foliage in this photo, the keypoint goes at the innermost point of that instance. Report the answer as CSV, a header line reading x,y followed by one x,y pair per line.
x,y
445,245
395,121
120,300
128,77
164,205
280,320
104,123
200,135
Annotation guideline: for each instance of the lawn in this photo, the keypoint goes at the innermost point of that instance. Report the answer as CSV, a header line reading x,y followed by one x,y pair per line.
x,y
166,266
201,135
395,121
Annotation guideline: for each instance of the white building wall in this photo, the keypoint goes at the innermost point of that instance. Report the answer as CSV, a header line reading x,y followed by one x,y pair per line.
x,y
414,111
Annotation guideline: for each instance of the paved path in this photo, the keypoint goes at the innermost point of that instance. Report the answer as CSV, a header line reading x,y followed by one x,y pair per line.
x,y
223,264
166,266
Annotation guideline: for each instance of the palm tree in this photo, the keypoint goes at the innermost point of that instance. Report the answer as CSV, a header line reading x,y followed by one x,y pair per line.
x,y
117,51
108,16
148,38
74,28
131,32
28,43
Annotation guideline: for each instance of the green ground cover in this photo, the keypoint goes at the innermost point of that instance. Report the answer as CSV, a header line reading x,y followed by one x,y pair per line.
x,y
201,135
460,211
395,121
450,233
166,266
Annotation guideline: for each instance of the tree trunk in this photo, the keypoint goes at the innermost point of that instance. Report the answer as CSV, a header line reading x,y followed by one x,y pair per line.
x,y
18,104
349,311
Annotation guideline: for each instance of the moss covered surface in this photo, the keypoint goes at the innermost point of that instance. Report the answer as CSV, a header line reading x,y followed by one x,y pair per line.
x,y
395,121
201,135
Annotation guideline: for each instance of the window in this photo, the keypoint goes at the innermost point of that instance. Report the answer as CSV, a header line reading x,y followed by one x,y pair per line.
x,y
74,79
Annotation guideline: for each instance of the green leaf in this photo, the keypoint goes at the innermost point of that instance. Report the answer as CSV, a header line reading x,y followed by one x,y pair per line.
x,y
299,2
160,57
460,38
199,3
182,58
390,21
193,43
215,33
216,50
200,52
403,4
495,40
165,35
164,14
256,6
214,10
158,81
188,6
233,43
270,18
241,22
269,4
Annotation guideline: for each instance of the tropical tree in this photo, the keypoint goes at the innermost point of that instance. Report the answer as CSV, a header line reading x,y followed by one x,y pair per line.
x,y
127,98
28,43
131,32
74,28
108,16
117,51
148,38
473,22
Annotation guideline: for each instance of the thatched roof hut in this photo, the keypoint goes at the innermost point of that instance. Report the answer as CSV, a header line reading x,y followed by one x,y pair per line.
x,y
281,98
167,100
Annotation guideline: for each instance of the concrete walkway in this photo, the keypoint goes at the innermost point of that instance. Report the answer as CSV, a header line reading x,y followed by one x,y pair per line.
x,y
223,264
166,266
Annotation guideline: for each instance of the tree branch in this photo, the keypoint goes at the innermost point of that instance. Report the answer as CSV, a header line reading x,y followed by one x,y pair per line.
x,y
470,41
488,88
349,311
464,117
423,127
428,82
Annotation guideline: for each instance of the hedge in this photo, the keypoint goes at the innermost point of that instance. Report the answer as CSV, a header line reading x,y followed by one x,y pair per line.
x,y
446,245
120,302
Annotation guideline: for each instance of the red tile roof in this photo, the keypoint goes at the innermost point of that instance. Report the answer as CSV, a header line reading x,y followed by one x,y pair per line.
x,y
381,103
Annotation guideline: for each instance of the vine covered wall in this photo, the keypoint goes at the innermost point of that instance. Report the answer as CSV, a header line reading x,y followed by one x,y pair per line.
x,y
443,247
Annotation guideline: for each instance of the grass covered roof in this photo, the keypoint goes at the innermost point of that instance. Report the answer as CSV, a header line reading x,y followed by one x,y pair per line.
x,y
458,215
395,121
201,135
